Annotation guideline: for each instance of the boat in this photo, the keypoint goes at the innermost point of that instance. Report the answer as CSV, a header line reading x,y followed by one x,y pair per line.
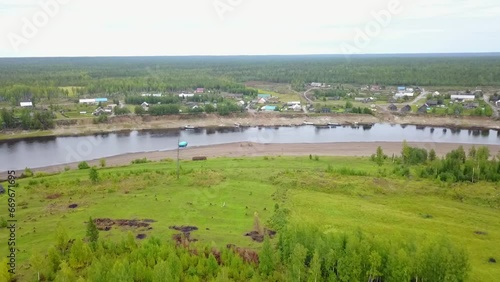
x,y
237,125
308,123
333,124
187,127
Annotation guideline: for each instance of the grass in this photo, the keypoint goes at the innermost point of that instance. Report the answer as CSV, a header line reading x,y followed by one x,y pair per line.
x,y
220,196
283,97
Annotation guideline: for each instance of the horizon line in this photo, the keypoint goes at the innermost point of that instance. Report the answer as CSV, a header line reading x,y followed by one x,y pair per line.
x,y
255,55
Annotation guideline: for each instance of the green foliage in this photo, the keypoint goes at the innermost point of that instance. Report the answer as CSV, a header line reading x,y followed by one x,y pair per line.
x,y
159,110
100,119
140,161
138,110
121,111
93,175
28,172
83,165
92,231
102,162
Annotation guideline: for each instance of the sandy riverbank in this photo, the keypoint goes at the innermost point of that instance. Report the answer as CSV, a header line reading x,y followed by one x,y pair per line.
x,y
247,149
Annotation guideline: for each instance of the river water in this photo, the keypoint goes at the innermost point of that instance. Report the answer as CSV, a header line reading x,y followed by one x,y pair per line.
x,y
39,152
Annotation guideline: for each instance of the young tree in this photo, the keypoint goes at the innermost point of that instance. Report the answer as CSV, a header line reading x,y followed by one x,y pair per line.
x,y
38,263
62,239
92,231
315,268
102,162
65,274
297,263
266,258
432,155
379,157
94,175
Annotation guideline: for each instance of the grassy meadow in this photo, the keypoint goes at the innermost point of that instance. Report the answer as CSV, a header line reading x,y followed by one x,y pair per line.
x,y
220,197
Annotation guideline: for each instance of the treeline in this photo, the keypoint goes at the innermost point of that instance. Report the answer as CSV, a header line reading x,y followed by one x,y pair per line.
x,y
456,166
167,99
36,120
169,74
300,254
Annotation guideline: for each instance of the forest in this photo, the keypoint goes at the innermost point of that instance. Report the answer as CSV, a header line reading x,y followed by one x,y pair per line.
x,y
26,78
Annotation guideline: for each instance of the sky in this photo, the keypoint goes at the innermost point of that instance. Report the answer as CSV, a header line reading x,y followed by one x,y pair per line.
x,y
52,28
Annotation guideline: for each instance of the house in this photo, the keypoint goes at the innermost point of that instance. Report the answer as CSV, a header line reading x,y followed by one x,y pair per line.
x,y
184,95
497,103
392,107
26,104
295,108
241,103
261,101
423,109
99,100
375,88
462,97
268,108
316,84
145,106
360,99
403,94
406,109
431,103
471,105
326,110
234,96
200,90
87,101
293,103
436,94
157,95
401,88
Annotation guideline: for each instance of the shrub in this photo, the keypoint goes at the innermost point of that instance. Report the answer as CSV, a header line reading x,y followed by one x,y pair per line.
x,y
83,165
140,161
28,172
102,162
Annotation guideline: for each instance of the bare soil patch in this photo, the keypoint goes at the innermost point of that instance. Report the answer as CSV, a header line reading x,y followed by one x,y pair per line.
x,y
73,206
107,223
259,237
53,196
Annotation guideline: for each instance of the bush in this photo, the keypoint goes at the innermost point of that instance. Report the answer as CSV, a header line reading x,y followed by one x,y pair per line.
x,y
121,111
140,161
100,119
102,162
28,172
83,165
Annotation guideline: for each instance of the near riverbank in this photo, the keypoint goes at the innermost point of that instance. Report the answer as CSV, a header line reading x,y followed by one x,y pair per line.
x,y
128,123
247,149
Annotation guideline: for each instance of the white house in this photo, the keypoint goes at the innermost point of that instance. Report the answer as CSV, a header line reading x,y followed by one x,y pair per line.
x,y
463,97
87,101
497,103
403,94
26,104
436,93
241,103
316,84
293,103
145,105
183,95
295,108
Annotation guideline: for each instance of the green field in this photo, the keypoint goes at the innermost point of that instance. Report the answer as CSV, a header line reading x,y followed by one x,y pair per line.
x,y
220,197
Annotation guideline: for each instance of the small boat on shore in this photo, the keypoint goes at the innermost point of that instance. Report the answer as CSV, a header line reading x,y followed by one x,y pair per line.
x,y
188,127
308,123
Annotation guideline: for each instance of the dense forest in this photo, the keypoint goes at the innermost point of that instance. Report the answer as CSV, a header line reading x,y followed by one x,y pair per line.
x,y
23,77
300,253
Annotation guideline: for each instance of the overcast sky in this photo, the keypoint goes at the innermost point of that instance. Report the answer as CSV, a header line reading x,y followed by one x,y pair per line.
x,y
246,27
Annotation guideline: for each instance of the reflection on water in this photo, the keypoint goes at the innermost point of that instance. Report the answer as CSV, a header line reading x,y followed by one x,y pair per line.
x,y
58,150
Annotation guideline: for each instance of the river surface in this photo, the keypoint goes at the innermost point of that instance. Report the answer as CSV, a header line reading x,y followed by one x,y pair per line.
x,y
40,152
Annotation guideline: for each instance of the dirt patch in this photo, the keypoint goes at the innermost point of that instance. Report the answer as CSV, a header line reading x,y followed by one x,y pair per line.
x,y
477,232
492,260
184,228
249,256
183,238
73,206
53,196
259,237
107,223
140,236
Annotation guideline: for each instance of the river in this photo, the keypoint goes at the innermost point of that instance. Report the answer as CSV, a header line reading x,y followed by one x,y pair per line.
x,y
40,152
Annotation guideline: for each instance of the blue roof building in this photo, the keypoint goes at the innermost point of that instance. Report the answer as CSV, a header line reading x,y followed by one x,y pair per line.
x,y
101,100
